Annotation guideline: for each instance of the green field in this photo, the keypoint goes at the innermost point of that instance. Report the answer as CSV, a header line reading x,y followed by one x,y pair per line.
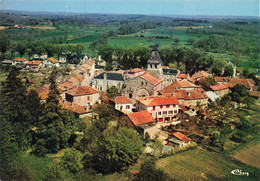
x,y
204,165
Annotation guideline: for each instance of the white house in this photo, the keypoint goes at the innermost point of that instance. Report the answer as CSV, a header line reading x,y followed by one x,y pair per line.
x,y
51,62
122,104
161,108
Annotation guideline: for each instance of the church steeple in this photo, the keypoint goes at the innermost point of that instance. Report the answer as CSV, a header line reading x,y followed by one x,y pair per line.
x,y
154,64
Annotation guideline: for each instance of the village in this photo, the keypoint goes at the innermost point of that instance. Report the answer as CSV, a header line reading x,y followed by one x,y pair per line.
x,y
150,99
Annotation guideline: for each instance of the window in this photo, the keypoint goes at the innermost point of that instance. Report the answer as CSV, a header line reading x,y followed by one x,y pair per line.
x,y
127,107
167,106
88,98
121,107
164,112
153,108
175,112
174,105
159,113
142,83
161,107
170,112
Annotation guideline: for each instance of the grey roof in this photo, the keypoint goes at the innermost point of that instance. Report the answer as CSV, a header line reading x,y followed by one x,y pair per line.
x,y
7,61
111,76
154,57
63,55
170,71
212,96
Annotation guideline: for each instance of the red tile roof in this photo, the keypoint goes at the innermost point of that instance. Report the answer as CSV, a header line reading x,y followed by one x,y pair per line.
x,y
254,93
178,85
82,90
43,91
35,62
244,82
74,108
219,87
122,100
165,67
19,59
150,78
75,78
136,70
181,137
222,79
158,100
185,94
65,86
198,75
90,62
182,76
251,81
53,60
142,117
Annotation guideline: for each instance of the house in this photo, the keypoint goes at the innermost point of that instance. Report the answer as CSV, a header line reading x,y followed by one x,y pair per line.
x,y
222,80
19,60
141,86
42,56
169,75
197,76
35,64
187,97
178,140
79,111
51,62
163,109
107,79
181,85
83,96
74,78
63,58
144,121
6,64
43,92
182,77
64,87
134,73
122,104
245,82
220,89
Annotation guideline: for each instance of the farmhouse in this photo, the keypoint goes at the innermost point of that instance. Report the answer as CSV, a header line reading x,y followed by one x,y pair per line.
x,y
35,64
19,60
220,89
178,139
163,109
197,76
51,62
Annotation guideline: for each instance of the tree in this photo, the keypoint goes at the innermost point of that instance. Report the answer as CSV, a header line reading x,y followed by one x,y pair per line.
x,y
207,82
106,52
238,93
176,41
21,48
149,172
117,150
4,46
72,161
113,92
218,67
190,41
55,172
229,71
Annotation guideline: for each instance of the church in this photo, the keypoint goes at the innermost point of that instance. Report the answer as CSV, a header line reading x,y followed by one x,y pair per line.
x,y
148,83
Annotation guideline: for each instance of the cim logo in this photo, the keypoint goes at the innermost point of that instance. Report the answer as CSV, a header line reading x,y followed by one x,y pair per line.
x,y
239,172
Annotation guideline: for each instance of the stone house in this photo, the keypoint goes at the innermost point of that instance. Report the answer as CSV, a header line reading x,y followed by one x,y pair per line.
x,y
188,97
141,86
64,57
220,89
163,109
79,111
181,85
83,96
106,80
222,80
122,103
197,76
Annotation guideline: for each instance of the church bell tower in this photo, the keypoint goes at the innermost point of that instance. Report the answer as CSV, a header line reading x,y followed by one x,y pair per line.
x,y
154,64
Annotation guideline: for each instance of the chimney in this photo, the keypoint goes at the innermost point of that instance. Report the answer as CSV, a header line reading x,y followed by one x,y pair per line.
x,y
105,75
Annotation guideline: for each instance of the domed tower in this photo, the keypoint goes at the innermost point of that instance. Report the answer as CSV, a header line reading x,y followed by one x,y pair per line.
x,y
154,64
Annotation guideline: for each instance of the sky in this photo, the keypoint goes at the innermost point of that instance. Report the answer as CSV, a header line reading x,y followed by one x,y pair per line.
x,y
157,7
